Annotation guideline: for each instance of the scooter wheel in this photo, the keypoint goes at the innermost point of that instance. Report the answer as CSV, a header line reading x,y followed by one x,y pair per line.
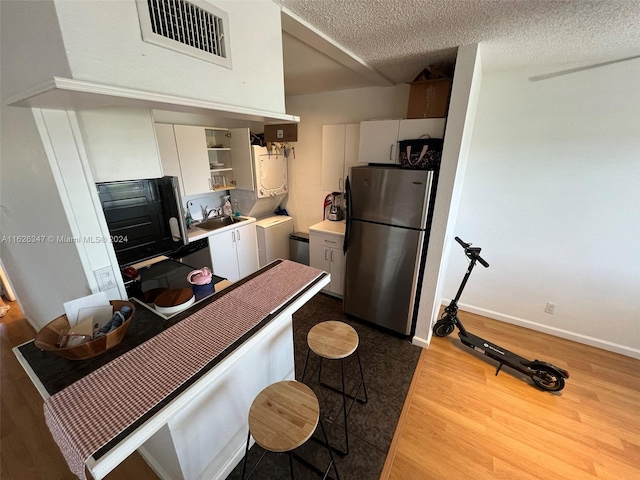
x,y
442,328
548,379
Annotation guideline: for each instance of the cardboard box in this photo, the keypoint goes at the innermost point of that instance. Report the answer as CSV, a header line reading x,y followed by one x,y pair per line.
x,y
286,132
429,98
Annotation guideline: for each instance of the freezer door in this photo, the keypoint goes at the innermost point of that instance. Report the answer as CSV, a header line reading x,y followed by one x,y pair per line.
x,y
392,196
381,266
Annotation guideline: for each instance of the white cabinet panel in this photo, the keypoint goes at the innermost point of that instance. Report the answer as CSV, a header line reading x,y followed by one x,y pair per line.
x,y
169,152
333,141
242,158
379,138
378,141
351,149
194,159
325,253
223,255
234,253
120,143
340,145
247,249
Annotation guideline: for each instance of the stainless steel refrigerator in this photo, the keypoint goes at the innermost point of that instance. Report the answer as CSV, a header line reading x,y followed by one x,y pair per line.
x,y
388,218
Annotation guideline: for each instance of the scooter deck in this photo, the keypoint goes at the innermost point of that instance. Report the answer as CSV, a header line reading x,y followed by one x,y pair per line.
x,y
493,351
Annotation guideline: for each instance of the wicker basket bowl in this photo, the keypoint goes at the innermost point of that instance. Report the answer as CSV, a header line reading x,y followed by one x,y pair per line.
x,y
47,338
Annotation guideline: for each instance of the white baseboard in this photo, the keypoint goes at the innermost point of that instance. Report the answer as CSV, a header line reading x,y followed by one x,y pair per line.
x,y
558,332
420,342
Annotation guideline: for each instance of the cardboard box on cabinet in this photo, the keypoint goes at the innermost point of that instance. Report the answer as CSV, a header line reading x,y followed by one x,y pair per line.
x,y
429,98
286,132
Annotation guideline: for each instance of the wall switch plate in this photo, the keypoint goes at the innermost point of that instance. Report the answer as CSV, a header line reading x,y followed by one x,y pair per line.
x,y
105,278
550,308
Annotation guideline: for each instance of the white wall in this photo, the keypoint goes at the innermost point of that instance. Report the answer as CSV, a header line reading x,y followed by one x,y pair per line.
x,y
465,91
551,194
104,45
48,273
32,48
305,200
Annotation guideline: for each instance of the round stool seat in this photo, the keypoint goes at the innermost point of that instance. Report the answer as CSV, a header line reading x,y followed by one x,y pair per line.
x,y
333,340
284,416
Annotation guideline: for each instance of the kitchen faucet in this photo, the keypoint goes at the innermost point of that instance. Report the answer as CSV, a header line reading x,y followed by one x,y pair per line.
x,y
206,213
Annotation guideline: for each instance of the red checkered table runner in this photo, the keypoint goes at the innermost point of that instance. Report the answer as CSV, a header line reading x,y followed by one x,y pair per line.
x,y
89,413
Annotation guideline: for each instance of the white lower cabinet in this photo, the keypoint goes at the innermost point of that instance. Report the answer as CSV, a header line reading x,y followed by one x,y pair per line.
x,y
234,253
325,253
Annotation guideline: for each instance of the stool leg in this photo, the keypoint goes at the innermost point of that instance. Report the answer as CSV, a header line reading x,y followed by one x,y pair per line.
x,y
364,387
246,454
291,464
344,409
333,462
304,370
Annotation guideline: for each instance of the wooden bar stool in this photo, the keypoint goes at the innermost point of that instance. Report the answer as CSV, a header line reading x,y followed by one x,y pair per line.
x,y
282,418
336,341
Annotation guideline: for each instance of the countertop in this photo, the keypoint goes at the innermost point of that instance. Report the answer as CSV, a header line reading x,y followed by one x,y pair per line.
x,y
54,373
329,227
195,233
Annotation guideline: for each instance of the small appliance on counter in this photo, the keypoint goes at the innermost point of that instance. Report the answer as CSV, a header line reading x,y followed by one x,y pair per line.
x,y
335,210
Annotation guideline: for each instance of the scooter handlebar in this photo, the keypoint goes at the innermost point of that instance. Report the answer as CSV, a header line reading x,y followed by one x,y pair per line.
x,y
472,252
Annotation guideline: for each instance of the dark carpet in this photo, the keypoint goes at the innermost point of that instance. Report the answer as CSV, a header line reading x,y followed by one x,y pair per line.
x,y
388,362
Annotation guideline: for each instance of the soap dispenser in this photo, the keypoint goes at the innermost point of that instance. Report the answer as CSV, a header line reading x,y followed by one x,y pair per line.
x,y
226,208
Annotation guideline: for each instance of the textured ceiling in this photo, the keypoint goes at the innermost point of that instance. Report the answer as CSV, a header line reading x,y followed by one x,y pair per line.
x,y
398,38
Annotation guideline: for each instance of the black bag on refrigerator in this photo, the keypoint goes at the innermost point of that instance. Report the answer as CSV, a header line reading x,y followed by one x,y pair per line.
x,y
420,154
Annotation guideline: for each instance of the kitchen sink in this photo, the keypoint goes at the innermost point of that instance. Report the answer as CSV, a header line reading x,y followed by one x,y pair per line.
x,y
217,222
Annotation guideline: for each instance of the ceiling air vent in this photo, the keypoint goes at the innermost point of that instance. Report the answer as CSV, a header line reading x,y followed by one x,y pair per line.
x,y
195,28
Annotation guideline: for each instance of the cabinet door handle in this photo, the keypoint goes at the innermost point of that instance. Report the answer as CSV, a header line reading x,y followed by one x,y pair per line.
x,y
329,241
331,256
391,152
340,183
210,184
238,233
233,237
325,255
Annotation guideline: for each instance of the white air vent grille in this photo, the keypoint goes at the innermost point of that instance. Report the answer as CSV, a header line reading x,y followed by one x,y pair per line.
x,y
195,28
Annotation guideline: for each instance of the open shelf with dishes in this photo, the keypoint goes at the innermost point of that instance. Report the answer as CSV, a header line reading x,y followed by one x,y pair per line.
x,y
219,152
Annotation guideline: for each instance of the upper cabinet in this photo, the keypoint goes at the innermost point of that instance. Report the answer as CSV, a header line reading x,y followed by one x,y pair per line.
x,y
339,153
202,157
120,143
379,138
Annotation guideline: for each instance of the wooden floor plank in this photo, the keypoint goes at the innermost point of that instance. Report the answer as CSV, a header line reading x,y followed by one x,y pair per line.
x,y
588,431
459,419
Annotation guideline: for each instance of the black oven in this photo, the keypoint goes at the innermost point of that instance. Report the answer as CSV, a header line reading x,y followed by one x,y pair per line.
x,y
145,217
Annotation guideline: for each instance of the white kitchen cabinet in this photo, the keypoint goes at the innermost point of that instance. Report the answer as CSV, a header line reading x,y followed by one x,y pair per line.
x,y
339,153
120,143
169,152
379,138
325,253
234,253
201,157
191,144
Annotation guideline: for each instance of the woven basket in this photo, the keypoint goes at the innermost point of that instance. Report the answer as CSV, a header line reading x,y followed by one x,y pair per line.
x,y
47,338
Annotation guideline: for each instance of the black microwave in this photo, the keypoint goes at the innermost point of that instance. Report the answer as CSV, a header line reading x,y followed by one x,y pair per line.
x,y
145,217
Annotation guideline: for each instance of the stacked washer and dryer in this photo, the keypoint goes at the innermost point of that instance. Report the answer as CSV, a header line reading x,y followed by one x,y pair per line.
x,y
261,186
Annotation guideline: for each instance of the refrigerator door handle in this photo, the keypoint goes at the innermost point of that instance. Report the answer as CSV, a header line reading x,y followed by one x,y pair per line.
x,y
347,230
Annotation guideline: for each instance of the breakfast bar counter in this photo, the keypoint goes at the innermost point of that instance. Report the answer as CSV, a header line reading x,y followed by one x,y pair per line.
x,y
176,390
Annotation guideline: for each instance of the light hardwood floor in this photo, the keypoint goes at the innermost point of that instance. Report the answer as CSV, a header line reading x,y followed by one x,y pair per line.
x,y
459,421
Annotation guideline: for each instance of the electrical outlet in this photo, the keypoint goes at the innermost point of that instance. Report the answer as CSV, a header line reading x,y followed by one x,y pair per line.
x,y
105,278
280,133
550,308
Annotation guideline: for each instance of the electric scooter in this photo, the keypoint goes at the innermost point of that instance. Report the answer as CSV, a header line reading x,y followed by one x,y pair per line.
x,y
545,375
